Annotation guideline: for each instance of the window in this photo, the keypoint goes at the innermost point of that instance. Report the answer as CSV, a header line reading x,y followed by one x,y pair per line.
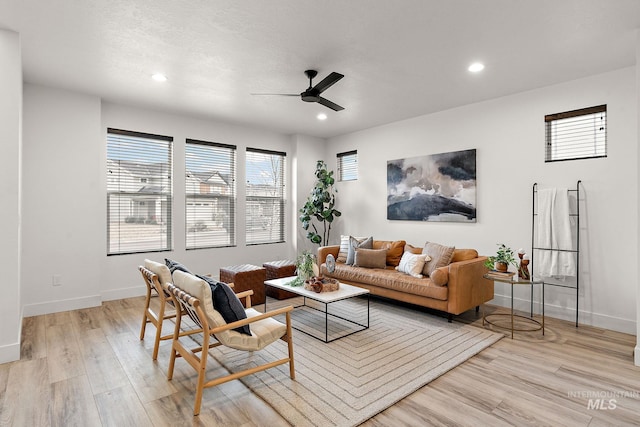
x,y
348,166
210,194
139,168
578,134
265,196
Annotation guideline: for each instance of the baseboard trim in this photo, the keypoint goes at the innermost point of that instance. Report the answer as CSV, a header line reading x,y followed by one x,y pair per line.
x,y
9,353
122,293
61,305
586,318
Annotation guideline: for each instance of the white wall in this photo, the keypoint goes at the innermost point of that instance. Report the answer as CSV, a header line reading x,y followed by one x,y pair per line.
x,y
10,164
63,217
508,134
637,349
120,277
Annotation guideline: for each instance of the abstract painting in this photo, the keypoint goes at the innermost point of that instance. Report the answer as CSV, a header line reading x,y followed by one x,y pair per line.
x,y
437,187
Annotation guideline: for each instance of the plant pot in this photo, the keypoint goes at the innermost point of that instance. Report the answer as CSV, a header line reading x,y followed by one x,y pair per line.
x,y
501,266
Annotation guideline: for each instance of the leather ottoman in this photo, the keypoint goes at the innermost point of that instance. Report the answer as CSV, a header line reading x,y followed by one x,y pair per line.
x,y
277,270
245,277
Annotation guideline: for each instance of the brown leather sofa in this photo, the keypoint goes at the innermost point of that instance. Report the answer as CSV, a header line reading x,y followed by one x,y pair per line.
x,y
453,289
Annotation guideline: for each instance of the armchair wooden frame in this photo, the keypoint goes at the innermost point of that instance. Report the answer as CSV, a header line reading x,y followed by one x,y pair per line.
x,y
150,316
192,306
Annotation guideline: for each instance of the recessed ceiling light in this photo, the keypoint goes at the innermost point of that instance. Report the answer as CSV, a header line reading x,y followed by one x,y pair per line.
x,y
159,77
322,116
476,67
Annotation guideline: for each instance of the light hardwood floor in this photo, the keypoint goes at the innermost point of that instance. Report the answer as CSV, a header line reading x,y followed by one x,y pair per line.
x,y
89,368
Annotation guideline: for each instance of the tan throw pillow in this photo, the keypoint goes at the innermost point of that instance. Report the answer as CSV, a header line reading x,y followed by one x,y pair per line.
x,y
412,264
440,276
358,242
412,249
370,258
344,249
440,256
394,249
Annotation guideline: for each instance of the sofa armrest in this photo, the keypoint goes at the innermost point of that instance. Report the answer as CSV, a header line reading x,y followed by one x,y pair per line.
x,y
323,251
467,287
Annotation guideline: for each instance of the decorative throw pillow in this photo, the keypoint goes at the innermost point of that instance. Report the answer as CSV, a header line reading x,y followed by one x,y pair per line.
x,y
354,242
412,264
440,256
440,276
344,249
394,249
227,303
175,265
370,258
412,249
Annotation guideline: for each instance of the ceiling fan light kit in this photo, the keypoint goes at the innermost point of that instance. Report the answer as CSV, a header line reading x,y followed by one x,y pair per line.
x,y
312,94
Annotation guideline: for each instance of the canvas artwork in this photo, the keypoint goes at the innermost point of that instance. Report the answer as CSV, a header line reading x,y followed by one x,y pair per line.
x,y
437,187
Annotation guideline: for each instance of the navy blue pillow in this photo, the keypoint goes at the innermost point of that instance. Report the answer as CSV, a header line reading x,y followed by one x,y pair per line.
x,y
175,265
227,303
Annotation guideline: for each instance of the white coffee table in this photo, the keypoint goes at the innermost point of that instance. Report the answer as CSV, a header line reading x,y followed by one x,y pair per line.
x,y
326,298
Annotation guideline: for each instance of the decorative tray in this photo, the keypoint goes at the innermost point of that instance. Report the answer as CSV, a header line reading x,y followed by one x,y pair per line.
x,y
321,284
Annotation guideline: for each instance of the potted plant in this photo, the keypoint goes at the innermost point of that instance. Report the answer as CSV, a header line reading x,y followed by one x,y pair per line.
x,y
320,206
501,260
306,268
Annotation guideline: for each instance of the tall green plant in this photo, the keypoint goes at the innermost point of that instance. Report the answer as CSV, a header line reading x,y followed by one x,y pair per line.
x,y
320,206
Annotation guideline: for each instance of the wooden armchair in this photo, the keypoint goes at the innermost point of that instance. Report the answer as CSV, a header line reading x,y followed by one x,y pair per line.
x,y
155,275
195,297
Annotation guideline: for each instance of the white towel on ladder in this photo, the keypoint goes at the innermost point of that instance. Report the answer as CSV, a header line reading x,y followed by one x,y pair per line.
x,y
554,232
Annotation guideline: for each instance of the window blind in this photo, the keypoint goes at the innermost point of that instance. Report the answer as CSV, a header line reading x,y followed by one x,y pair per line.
x,y
139,193
210,194
265,196
348,166
577,134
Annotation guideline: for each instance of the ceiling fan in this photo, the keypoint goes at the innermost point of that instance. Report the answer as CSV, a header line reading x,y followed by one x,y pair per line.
x,y
312,94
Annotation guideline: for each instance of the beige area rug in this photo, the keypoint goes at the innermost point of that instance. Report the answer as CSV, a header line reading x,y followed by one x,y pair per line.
x,y
346,382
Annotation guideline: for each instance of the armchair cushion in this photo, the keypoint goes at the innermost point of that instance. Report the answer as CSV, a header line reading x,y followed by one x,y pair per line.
x,y
164,275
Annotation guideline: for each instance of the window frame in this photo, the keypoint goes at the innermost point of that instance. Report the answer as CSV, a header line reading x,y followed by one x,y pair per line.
x,y
278,200
230,198
165,198
340,158
551,132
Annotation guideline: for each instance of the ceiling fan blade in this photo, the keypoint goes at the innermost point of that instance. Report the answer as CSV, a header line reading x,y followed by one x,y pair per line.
x,y
277,94
327,103
327,82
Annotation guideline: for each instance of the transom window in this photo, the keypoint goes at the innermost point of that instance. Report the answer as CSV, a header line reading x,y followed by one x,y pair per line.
x,y
577,134
210,194
139,193
265,194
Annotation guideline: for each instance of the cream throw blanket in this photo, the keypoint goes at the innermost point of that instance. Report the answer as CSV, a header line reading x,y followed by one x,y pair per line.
x,y
554,232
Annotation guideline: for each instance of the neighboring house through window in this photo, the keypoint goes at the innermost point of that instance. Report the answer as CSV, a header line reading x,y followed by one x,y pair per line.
x,y
265,174
210,194
139,192
577,134
348,166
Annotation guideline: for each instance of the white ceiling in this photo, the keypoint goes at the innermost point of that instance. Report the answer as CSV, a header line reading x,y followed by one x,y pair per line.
x,y
401,58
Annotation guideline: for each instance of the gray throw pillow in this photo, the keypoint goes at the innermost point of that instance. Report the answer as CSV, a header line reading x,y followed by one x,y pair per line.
x,y
354,243
227,303
175,265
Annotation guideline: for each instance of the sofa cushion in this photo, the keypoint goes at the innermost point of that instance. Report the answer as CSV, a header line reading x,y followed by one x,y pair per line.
x,y
440,276
388,278
464,255
370,258
440,256
358,242
395,249
412,264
